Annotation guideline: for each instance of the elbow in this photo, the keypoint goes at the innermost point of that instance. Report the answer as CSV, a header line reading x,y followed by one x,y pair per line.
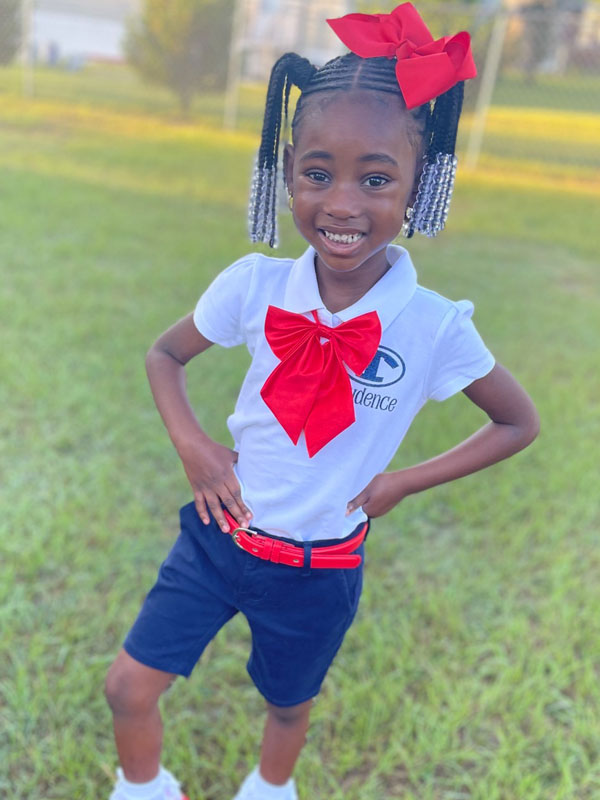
x,y
529,429
532,433
159,356
150,357
155,357
522,430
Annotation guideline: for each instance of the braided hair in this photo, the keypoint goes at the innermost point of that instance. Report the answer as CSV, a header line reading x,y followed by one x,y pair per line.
x,y
290,69
434,125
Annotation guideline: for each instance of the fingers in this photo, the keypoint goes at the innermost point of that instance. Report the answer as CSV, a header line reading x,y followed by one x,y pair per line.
x,y
208,503
214,482
212,501
356,503
201,507
375,498
216,507
231,496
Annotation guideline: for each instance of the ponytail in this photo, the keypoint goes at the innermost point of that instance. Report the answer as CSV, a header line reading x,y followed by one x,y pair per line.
x,y
432,203
290,69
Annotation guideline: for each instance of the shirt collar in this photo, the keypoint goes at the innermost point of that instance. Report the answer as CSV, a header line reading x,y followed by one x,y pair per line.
x,y
387,297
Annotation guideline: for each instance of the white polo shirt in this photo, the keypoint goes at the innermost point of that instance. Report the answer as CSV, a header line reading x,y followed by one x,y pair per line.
x,y
429,349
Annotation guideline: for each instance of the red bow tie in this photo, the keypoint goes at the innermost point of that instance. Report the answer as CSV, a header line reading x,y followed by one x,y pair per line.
x,y
426,68
310,389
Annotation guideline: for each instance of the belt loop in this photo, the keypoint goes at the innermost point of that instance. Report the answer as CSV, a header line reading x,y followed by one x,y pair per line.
x,y
307,554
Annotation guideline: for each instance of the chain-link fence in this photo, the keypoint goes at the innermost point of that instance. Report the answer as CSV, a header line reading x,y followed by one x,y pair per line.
x,y
535,102
539,87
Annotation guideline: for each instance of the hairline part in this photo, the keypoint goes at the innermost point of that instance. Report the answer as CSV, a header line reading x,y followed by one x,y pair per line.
x,y
415,123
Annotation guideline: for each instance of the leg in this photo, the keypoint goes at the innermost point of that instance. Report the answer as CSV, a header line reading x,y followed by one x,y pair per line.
x,y
283,739
132,692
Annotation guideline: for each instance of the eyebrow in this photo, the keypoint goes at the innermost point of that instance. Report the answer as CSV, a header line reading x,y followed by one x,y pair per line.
x,y
317,154
323,154
379,157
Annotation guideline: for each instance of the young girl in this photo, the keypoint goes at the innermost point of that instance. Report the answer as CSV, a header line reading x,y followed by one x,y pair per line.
x,y
346,348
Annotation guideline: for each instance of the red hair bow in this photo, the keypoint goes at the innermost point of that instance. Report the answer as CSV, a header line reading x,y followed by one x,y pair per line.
x,y
426,67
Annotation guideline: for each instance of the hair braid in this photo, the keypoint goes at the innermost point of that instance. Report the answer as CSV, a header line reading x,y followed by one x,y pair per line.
x,y
436,184
262,218
444,121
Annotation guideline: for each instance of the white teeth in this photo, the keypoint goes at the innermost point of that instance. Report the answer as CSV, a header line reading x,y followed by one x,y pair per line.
x,y
346,238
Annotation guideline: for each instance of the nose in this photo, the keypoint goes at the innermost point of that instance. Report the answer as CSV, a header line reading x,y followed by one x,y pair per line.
x,y
342,201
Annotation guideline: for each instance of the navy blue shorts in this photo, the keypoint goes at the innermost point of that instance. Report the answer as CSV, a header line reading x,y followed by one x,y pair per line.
x,y
297,616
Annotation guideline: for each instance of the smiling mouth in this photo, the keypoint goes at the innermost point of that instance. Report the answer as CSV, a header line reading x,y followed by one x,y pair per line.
x,y
342,238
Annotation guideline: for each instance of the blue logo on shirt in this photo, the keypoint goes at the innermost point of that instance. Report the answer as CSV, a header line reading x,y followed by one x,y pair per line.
x,y
385,369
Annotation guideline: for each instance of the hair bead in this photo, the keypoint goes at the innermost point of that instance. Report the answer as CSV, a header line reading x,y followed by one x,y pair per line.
x,y
436,185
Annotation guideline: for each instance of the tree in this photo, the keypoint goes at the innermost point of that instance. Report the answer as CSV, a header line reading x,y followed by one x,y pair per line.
x,y
440,16
182,44
10,30
377,7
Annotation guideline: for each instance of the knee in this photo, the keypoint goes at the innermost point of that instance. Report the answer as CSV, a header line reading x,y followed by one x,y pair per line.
x,y
290,716
127,691
120,689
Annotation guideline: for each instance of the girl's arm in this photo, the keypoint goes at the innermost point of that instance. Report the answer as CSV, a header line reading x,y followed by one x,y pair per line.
x,y
514,424
207,464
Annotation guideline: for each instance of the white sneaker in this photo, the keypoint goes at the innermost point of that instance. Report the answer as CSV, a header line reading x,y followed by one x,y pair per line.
x,y
169,789
249,791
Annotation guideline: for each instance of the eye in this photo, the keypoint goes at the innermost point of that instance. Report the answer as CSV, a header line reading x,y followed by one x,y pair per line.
x,y
317,175
374,181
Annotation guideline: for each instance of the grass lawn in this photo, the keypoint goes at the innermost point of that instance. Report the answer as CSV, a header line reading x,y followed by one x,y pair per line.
x,y
573,91
472,670
551,120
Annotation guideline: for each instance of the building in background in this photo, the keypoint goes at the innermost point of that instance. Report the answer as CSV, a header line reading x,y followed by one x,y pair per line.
x,y
273,27
74,31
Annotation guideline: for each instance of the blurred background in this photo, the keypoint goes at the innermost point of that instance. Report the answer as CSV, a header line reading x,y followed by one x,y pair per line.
x,y
536,60
127,134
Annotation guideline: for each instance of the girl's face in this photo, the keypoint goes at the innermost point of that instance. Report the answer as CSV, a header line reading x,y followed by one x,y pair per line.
x,y
351,172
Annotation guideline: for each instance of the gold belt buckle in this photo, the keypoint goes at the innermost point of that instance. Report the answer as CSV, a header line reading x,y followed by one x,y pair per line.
x,y
235,535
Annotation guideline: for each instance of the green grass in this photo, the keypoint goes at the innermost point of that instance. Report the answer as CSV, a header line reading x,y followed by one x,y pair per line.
x,y
570,92
471,672
117,87
549,121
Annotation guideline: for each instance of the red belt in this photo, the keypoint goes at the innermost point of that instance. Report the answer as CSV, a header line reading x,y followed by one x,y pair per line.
x,y
333,556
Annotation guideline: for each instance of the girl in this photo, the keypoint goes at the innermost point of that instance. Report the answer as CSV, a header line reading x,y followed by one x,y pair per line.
x,y
346,348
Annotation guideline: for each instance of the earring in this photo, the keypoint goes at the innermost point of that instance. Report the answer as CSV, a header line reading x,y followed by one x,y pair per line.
x,y
407,229
291,202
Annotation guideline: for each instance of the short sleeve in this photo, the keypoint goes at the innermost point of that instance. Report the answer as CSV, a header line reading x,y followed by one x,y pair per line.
x,y
219,312
460,355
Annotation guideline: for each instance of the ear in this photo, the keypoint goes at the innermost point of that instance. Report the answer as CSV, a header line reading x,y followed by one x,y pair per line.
x,y
288,167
